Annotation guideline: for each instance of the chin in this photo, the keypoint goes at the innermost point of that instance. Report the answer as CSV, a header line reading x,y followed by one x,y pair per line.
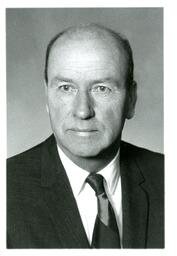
x,y
85,153
82,150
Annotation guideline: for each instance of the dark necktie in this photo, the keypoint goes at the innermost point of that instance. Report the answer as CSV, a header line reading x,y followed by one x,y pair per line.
x,y
105,233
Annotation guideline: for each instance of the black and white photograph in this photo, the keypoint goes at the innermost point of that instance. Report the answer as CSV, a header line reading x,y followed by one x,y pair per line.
x,y
85,125
88,127
81,183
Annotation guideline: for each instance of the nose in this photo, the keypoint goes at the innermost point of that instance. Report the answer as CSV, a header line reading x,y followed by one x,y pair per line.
x,y
83,106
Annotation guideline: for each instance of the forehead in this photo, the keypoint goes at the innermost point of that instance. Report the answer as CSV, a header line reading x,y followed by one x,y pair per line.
x,y
86,54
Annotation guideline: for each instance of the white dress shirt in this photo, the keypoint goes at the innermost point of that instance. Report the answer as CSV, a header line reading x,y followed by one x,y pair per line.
x,y
85,195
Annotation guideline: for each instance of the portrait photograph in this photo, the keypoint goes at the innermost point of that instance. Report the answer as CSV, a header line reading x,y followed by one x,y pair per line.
x,y
86,77
86,155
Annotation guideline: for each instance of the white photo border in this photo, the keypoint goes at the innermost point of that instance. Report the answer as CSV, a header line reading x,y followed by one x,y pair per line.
x,y
170,124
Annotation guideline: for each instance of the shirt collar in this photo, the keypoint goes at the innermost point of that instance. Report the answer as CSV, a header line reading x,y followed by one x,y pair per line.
x,y
111,173
77,175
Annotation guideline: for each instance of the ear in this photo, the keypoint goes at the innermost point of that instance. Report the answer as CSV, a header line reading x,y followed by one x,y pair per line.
x,y
132,97
46,95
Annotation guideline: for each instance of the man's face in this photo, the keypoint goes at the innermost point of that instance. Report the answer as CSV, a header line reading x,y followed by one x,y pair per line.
x,y
86,96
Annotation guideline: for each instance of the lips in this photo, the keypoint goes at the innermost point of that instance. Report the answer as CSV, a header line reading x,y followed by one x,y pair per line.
x,y
83,130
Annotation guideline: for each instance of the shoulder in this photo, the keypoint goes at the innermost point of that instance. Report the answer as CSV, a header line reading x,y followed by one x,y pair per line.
x,y
24,177
150,163
141,152
142,155
27,163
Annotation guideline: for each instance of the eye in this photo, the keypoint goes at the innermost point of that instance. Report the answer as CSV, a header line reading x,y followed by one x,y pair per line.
x,y
102,89
66,88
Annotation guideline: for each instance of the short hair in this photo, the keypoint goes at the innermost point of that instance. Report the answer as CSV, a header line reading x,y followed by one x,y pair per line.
x,y
93,29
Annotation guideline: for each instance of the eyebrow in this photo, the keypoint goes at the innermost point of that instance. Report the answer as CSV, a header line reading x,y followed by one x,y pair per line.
x,y
103,80
95,81
63,79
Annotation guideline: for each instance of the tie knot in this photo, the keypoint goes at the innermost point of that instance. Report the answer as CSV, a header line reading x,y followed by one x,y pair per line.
x,y
96,182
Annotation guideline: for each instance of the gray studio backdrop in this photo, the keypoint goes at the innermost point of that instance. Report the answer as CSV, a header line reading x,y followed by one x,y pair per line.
x,y
28,32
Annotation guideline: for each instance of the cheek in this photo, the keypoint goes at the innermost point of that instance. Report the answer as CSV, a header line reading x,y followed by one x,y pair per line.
x,y
113,118
58,110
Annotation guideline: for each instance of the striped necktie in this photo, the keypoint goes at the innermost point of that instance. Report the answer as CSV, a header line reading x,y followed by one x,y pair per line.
x,y
105,233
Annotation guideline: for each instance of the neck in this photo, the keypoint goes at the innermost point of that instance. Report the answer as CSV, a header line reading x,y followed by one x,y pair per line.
x,y
94,164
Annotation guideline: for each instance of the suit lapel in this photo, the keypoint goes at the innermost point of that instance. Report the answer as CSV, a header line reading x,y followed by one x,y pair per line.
x,y
135,202
60,200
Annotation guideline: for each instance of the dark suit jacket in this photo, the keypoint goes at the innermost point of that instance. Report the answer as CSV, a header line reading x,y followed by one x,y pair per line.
x,y
42,211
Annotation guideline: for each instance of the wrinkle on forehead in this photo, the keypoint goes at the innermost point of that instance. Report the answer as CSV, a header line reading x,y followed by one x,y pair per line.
x,y
71,66
92,75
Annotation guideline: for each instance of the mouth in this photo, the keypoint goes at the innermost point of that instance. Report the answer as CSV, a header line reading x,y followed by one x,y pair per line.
x,y
83,132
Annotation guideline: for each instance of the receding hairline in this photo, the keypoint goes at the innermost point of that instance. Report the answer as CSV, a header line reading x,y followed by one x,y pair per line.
x,y
91,32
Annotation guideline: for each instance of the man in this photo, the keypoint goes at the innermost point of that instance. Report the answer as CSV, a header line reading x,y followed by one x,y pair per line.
x,y
54,198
